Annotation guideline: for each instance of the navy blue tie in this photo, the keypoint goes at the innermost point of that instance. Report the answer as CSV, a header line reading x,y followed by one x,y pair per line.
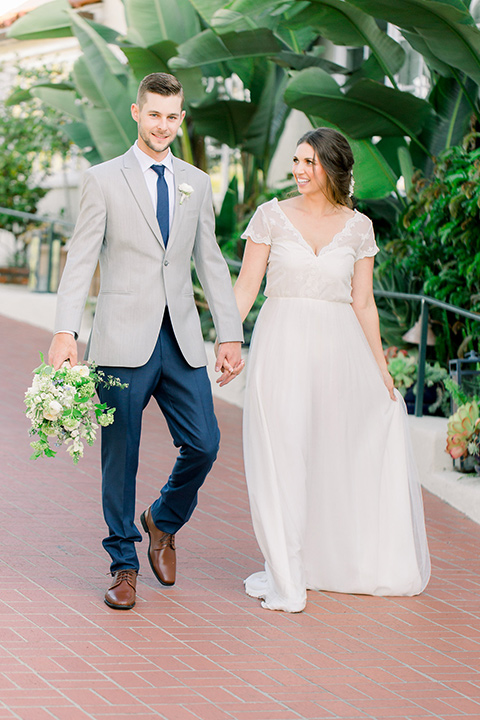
x,y
163,213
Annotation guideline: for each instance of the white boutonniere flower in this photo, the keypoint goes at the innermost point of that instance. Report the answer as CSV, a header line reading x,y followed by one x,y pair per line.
x,y
185,190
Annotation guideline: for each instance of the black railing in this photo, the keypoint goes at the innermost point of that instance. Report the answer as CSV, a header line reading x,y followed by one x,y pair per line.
x,y
49,236
424,301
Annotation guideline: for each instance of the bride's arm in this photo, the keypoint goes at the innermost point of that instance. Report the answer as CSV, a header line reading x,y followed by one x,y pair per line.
x,y
367,314
254,265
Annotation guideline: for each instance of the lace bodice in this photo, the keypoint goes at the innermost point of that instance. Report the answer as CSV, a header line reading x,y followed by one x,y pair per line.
x,y
294,270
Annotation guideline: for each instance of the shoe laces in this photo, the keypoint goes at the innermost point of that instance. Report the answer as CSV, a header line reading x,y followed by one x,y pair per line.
x,y
129,574
167,541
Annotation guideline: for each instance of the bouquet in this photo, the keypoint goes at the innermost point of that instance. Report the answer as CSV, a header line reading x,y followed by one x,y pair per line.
x,y
61,408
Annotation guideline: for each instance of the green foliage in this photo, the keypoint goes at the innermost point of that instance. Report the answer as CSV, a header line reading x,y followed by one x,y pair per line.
x,y
435,249
403,367
458,394
31,136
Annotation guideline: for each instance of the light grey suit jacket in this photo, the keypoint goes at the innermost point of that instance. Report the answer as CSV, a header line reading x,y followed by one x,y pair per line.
x,y
139,277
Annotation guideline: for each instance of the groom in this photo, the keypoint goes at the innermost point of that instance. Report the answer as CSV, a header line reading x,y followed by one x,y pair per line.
x,y
144,215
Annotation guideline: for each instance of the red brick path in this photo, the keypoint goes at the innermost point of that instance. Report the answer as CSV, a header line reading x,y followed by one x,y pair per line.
x,y
202,650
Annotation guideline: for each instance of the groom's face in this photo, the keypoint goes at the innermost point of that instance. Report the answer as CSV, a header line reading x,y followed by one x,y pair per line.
x,y
158,119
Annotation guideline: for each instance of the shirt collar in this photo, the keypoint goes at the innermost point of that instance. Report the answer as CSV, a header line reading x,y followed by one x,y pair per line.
x,y
146,161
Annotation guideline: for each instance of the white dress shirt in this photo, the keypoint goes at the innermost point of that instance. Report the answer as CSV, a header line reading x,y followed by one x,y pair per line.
x,y
146,162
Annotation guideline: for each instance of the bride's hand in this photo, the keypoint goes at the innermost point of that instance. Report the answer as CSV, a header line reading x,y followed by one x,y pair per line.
x,y
388,380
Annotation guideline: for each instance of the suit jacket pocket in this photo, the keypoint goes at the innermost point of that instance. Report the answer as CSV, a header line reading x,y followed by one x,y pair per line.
x,y
115,292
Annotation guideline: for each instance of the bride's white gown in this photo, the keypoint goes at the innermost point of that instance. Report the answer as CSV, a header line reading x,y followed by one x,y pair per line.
x,y
335,501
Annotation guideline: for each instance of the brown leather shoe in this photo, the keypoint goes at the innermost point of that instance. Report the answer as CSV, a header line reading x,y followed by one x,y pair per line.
x,y
121,593
161,550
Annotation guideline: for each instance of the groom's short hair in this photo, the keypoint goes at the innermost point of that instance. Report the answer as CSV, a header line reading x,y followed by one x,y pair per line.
x,y
160,83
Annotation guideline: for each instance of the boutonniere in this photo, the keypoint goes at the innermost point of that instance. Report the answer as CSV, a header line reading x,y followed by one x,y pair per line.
x,y
185,190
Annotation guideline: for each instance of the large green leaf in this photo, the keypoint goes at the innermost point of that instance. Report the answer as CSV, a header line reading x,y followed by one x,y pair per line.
x,y
207,48
66,101
111,88
343,24
144,61
300,61
452,113
270,116
226,20
418,43
225,120
417,13
337,20
85,82
95,48
108,142
367,109
150,22
25,94
446,26
207,8
260,11
449,124
81,136
47,21
241,15
374,178
390,148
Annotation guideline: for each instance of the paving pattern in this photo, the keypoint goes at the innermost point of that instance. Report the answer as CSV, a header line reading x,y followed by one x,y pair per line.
x,y
203,650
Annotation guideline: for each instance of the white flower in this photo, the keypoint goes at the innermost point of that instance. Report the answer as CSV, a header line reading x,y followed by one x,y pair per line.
x,y
53,410
352,185
82,370
71,424
186,190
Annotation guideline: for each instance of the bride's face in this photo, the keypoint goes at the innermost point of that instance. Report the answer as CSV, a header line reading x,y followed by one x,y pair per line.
x,y
307,170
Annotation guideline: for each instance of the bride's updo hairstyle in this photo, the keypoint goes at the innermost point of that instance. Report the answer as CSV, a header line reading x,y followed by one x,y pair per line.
x,y
335,156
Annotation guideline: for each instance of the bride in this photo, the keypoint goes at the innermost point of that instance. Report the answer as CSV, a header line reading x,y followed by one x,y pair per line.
x,y
335,501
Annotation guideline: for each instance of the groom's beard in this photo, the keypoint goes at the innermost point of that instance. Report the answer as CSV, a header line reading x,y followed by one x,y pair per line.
x,y
157,148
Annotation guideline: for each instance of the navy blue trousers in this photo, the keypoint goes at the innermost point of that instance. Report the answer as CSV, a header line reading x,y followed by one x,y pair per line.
x,y
184,396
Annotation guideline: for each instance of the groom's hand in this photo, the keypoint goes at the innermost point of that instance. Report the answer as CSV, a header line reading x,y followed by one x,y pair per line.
x,y
62,348
229,361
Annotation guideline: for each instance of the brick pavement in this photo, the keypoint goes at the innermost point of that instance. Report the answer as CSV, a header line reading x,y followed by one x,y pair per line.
x,y
202,650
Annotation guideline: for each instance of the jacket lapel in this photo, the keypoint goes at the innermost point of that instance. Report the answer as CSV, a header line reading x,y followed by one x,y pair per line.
x,y
179,178
136,182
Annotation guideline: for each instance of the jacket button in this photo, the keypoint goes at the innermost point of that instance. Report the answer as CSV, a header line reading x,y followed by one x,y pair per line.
x,y
165,262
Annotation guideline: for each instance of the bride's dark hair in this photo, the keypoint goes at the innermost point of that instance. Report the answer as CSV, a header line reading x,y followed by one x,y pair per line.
x,y
335,156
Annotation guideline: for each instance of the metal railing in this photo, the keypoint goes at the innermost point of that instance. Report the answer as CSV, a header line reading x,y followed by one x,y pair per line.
x,y
424,301
49,235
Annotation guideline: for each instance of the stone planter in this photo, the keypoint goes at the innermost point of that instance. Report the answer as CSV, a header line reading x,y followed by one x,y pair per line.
x,y
469,464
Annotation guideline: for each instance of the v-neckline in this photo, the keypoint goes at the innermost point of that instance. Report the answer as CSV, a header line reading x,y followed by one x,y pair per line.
x,y
324,247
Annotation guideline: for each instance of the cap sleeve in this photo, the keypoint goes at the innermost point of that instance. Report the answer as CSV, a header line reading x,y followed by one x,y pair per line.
x,y
258,229
367,246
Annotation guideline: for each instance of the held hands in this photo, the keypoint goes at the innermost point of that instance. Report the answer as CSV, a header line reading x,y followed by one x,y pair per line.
x,y
388,380
229,361
63,347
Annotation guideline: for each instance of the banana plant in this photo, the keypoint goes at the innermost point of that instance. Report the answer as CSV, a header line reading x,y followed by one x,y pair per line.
x,y
100,119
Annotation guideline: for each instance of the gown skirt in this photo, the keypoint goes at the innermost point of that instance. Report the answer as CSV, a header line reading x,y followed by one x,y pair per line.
x,y
335,499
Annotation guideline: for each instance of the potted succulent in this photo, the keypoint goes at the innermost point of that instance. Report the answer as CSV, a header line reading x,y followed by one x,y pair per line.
x,y
463,436
403,367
